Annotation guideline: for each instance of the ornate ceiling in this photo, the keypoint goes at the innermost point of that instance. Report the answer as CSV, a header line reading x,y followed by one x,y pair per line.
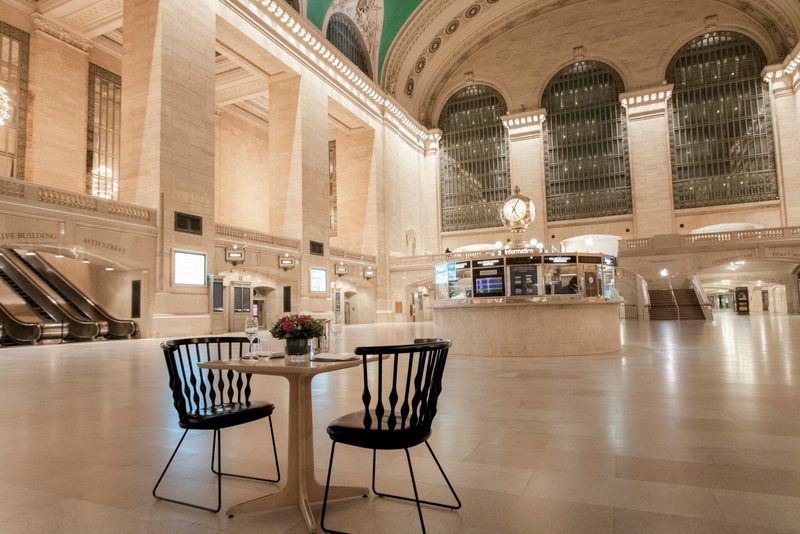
x,y
440,36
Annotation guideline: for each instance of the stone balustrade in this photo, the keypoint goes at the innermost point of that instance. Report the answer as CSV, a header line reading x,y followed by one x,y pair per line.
x,y
256,237
709,241
342,254
37,195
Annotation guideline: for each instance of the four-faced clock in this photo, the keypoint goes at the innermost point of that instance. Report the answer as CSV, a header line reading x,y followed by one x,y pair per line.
x,y
517,212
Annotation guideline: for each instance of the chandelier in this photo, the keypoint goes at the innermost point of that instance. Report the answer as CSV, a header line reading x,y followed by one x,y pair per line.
x,y
5,106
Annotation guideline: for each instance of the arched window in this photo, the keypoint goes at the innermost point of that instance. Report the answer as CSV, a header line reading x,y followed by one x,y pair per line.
x,y
587,171
721,138
344,35
475,176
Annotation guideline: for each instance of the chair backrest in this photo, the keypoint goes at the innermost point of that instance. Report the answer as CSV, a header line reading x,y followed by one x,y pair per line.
x,y
407,386
196,389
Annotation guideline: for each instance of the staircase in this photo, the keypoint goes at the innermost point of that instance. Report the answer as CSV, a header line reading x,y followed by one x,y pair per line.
x,y
662,305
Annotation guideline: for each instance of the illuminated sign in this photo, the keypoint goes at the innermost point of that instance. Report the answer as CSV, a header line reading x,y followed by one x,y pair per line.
x,y
560,259
488,263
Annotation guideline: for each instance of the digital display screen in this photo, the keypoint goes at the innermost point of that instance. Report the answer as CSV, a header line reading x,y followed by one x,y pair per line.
x,y
560,259
188,268
489,263
318,280
523,281
489,287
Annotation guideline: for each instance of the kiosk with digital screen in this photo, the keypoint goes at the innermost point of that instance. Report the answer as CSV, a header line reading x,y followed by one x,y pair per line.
x,y
524,302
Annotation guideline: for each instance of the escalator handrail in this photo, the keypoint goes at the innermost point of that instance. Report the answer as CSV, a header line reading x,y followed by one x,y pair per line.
x,y
79,328
8,317
77,294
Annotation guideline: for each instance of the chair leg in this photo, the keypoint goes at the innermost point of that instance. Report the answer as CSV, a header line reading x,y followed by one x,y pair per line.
x,y
416,495
325,498
274,452
431,503
219,478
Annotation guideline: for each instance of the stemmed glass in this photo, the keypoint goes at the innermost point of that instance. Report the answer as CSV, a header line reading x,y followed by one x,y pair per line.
x,y
336,329
251,331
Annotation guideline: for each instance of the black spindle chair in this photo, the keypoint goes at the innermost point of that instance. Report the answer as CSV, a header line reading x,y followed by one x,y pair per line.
x,y
398,412
207,399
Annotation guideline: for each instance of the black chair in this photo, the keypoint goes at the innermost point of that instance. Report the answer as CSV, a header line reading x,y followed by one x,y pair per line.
x,y
208,399
410,381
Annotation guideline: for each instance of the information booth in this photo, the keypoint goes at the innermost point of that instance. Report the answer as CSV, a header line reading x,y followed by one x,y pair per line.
x,y
522,302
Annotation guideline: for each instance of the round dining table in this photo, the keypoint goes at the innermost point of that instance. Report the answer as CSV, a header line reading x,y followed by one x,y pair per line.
x,y
301,488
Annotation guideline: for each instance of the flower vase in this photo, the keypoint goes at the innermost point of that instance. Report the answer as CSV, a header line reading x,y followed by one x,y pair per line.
x,y
296,350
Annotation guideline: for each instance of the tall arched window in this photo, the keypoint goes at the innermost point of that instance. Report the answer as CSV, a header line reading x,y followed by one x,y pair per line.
x,y
344,35
721,142
475,176
587,171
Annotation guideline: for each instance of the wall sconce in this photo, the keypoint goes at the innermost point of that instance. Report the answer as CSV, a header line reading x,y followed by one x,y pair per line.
x,y
341,269
286,261
369,272
234,255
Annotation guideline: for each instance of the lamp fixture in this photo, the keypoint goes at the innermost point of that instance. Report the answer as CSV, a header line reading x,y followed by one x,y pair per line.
x,y
369,272
664,273
341,269
286,261
109,268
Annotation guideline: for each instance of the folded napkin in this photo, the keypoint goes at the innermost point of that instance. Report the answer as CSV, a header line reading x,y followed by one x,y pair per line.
x,y
335,357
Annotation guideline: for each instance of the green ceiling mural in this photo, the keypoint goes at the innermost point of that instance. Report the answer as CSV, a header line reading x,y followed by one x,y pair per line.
x,y
395,14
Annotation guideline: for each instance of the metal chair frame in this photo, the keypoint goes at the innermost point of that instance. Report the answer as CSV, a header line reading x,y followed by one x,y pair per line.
x,y
417,409
192,390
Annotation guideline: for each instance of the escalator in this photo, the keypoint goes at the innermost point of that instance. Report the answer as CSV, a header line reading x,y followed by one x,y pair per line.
x,y
63,288
28,288
22,323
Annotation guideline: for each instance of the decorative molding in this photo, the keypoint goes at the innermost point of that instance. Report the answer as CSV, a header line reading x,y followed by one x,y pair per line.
x,y
784,78
646,102
432,147
310,46
53,29
524,124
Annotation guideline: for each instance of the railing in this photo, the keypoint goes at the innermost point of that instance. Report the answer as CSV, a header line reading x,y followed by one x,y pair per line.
x,y
38,194
346,255
432,258
629,311
789,232
253,236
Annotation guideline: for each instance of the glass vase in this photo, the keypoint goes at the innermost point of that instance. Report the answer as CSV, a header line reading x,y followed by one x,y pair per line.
x,y
297,350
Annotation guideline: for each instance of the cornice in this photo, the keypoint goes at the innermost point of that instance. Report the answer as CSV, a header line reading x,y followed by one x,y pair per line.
x,y
55,30
524,124
784,78
307,42
647,102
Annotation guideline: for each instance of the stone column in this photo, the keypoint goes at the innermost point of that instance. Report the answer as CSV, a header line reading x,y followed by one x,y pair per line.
x,y
59,63
650,164
784,88
430,197
299,193
168,142
526,153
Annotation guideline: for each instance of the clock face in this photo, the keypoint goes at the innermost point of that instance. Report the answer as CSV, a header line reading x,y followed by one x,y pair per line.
x,y
514,210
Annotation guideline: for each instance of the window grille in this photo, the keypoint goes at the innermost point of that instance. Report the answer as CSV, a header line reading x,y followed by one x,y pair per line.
x,y
332,190
344,35
721,124
103,133
587,170
475,177
14,46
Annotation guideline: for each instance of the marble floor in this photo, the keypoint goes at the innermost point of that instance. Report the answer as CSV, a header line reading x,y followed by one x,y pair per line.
x,y
691,428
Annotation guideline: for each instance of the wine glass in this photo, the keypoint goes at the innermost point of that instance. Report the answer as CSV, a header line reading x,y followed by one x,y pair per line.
x,y
336,329
250,330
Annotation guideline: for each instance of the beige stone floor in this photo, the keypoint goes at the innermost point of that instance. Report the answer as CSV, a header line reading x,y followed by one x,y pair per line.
x,y
692,428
